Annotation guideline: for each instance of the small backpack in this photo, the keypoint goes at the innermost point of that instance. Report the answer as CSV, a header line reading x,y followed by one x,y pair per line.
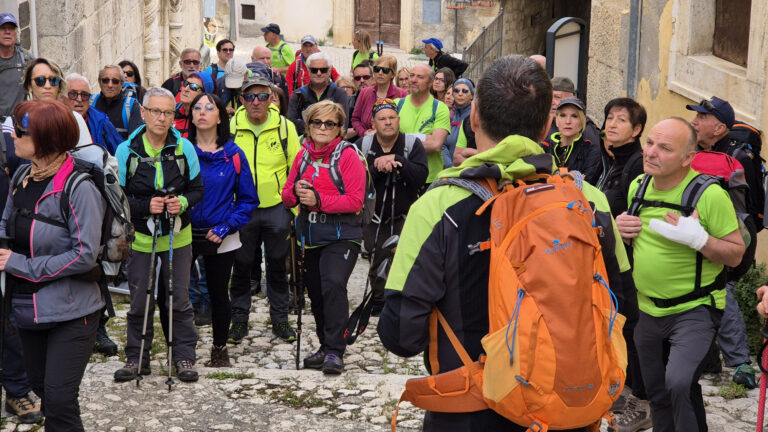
x,y
126,112
555,354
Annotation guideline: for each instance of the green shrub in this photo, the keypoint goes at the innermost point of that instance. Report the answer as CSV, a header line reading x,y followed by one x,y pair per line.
x,y
733,391
744,291
416,51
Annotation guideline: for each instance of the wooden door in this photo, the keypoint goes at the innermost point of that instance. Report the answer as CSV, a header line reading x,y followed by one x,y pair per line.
x,y
380,18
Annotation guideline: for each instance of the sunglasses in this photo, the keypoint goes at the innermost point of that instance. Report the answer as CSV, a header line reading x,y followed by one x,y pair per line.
x,y
382,69
250,97
106,81
319,70
228,49
40,81
709,107
188,62
464,90
128,73
25,123
362,77
75,95
317,124
193,86
207,107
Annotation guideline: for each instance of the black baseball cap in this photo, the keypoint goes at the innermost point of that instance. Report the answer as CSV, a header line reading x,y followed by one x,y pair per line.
x,y
272,27
719,108
572,101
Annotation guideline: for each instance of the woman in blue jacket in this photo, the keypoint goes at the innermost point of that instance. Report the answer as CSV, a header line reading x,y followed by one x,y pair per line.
x,y
229,198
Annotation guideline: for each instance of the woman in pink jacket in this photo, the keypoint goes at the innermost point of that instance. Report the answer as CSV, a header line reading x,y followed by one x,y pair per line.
x,y
384,74
327,181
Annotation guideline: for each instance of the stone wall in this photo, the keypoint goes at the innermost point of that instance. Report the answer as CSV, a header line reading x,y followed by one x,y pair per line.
x,y
296,18
471,20
525,26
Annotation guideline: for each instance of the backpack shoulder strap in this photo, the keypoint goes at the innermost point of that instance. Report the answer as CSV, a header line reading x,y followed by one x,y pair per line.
x,y
127,107
280,51
695,190
334,164
214,72
367,144
410,141
435,103
471,185
282,135
637,200
237,163
95,98
400,103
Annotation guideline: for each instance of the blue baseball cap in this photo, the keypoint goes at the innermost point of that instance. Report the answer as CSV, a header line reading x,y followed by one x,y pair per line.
x,y
206,79
719,108
435,42
6,18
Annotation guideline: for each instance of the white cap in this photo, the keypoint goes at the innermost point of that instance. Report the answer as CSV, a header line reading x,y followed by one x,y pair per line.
x,y
234,73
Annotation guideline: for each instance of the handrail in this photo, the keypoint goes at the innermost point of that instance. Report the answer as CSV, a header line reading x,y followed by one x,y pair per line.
x,y
485,48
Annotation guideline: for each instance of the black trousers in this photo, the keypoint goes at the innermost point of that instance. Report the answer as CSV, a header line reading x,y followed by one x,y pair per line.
x,y
55,360
327,271
378,255
218,269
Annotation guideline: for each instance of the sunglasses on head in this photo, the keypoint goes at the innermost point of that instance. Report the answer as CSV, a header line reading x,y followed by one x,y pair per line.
x,y
106,81
317,124
362,77
128,73
319,70
40,81
250,97
188,62
382,69
709,107
207,107
193,86
75,95
25,123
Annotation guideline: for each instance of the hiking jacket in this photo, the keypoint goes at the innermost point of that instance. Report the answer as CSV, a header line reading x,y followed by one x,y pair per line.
x,y
103,132
229,198
362,115
584,157
625,165
345,222
173,84
305,96
268,159
181,120
114,110
442,60
141,181
15,95
298,75
57,253
434,267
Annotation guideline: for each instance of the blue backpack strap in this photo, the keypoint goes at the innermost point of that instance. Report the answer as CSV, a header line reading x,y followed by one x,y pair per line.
x,y
400,104
94,98
127,107
432,118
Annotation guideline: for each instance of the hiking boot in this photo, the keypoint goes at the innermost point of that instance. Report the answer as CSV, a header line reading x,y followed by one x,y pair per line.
x,y
25,409
103,343
621,402
128,372
315,361
332,365
203,316
745,375
185,371
636,416
237,331
219,357
284,331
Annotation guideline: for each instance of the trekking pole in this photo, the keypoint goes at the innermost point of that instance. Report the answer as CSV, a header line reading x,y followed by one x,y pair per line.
x,y
300,298
3,315
392,214
762,363
150,288
296,287
170,192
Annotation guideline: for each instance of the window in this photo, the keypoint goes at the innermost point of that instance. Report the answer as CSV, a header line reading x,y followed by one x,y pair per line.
x,y
430,12
248,12
731,39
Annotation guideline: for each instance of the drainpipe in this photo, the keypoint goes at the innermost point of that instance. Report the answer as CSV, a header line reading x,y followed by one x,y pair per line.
x,y
233,33
635,18
33,27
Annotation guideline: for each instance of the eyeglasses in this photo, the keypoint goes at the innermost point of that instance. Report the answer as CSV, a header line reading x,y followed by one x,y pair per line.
x,y
24,122
464,90
40,81
75,95
228,49
106,81
317,124
193,86
188,62
207,107
362,77
158,113
319,70
250,97
128,73
382,69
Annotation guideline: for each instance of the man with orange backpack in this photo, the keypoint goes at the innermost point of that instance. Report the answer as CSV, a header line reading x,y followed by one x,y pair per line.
x,y
680,302
446,270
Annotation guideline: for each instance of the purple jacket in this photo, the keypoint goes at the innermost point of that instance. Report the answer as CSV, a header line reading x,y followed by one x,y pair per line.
x,y
362,118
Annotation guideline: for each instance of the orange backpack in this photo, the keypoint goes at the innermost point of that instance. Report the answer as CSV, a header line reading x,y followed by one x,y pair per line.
x,y
555,356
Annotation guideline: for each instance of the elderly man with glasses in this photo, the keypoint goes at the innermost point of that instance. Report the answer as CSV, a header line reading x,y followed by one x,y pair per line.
x,y
123,111
319,88
189,64
103,132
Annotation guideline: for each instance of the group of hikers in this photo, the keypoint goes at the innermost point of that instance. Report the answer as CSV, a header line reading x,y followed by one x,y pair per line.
x,y
541,263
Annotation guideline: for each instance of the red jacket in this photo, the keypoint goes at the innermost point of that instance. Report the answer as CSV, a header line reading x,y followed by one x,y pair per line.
x,y
294,79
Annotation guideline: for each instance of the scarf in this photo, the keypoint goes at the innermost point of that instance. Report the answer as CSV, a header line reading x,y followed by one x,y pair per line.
x,y
38,173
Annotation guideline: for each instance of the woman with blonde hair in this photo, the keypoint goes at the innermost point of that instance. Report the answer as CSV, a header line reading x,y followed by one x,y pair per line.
x,y
328,226
403,76
569,146
384,76
362,44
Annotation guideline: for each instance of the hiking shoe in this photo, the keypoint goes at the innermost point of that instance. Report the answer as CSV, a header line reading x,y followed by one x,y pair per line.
x,y
219,357
128,372
103,343
315,361
186,372
284,331
332,365
636,416
621,402
25,409
203,316
745,375
237,331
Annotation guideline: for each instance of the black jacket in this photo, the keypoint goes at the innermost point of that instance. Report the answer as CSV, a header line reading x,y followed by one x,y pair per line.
x,y
302,98
619,171
114,110
173,84
584,157
442,60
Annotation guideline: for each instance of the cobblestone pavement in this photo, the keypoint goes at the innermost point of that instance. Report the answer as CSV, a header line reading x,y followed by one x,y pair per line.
x,y
263,391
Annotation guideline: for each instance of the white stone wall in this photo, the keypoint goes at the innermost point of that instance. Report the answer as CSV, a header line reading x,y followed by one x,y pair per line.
x,y
296,18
